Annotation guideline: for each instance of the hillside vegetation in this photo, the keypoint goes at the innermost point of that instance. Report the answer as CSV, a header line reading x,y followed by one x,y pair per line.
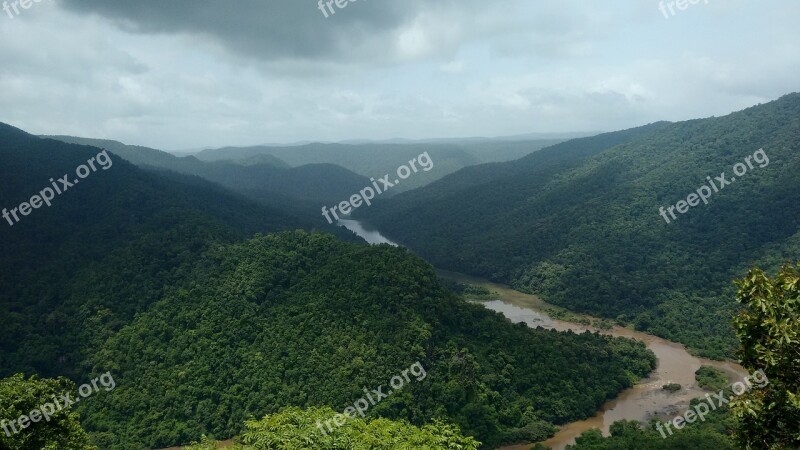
x,y
579,223
104,250
305,320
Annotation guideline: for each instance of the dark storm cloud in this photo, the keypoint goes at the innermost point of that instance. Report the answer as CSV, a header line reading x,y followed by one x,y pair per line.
x,y
268,29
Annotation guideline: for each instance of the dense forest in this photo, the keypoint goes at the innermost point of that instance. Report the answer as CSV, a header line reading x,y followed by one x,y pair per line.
x,y
103,251
295,428
305,320
163,280
579,223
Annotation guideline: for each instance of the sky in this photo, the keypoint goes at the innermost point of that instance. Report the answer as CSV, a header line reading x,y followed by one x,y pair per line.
x,y
188,74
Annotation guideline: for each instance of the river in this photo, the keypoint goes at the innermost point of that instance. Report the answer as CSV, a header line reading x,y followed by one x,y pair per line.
x,y
641,402
366,232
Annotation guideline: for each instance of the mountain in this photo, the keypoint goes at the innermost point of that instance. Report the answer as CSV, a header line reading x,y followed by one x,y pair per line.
x,y
377,159
461,140
104,249
302,190
165,282
137,154
579,222
263,158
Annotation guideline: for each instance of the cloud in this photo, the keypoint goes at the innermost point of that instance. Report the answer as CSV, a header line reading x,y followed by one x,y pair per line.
x,y
365,31
274,29
196,73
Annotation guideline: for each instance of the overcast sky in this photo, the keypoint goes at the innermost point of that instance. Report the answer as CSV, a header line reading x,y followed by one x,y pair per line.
x,y
179,74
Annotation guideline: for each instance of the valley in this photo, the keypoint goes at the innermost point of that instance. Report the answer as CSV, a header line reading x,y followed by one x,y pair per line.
x,y
417,225
641,402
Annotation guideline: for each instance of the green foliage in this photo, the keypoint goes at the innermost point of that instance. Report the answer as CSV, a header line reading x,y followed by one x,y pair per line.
x,y
295,428
603,324
74,273
301,319
578,222
769,329
713,433
569,316
711,378
20,396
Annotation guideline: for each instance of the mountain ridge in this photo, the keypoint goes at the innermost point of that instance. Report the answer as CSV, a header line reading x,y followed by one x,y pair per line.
x,y
587,234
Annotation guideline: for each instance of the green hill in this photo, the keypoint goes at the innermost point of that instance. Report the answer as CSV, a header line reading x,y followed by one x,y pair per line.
x,y
103,250
305,320
302,190
579,222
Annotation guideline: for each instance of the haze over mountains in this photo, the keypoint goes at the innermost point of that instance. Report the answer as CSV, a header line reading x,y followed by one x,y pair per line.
x,y
377,159
267,180
291,175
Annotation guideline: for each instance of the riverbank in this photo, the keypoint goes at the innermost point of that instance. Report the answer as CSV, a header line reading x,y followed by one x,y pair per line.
x,y
643,401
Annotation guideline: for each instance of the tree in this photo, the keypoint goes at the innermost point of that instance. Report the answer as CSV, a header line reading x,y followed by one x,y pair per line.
x,y
296,428
769,330
20,397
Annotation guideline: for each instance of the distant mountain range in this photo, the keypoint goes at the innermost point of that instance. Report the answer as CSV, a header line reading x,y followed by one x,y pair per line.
x,y
302,190
510,138
377,159
517,137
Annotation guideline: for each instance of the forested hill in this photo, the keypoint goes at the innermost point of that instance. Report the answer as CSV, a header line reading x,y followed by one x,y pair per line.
x,y
268,180
305,320
103,250
579,222
146,156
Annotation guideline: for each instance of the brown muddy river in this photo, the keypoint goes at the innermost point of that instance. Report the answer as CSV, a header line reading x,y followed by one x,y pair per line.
x,y
641,402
